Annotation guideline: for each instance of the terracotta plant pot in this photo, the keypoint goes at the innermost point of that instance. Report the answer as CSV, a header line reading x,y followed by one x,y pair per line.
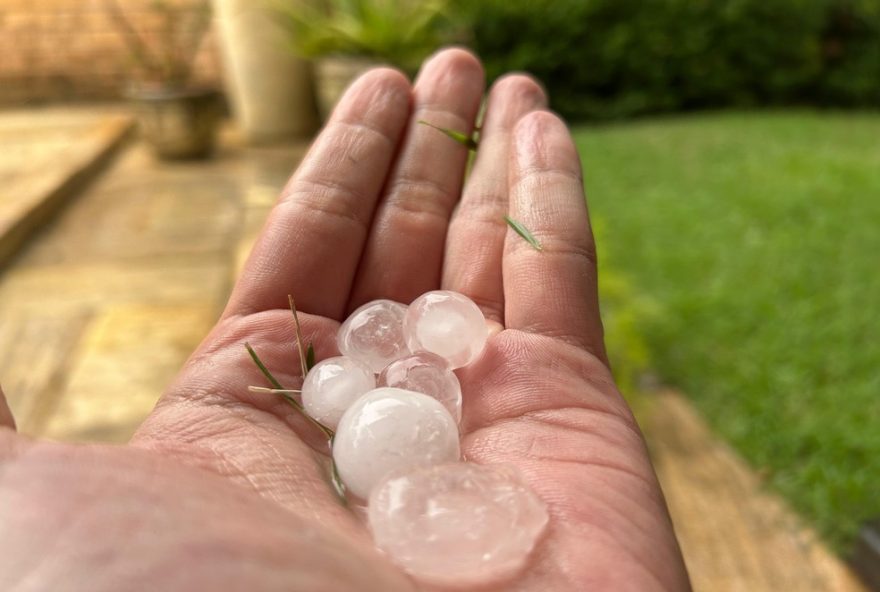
x,y
179,124
333,74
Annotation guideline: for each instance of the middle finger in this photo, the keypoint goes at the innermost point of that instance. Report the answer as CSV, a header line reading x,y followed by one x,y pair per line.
x,y
404,251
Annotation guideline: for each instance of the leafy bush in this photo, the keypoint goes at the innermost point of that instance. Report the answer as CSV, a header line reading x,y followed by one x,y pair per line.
x,y
625,312
402,32
613,58
852,52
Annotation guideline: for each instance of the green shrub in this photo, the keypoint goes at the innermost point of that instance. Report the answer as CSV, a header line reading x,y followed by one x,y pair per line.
x,y
613,58
402,32
625,312
852,52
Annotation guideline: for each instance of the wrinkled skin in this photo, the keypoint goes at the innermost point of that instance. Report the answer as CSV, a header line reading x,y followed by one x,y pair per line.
x,y
222,489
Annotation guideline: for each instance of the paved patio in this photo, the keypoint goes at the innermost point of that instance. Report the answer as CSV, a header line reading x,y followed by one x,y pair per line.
x,y
103,305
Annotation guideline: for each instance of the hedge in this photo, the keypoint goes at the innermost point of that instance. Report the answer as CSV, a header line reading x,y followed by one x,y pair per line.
x,y
615,58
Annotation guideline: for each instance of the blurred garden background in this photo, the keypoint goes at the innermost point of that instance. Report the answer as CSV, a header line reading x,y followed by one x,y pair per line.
x,y
731,151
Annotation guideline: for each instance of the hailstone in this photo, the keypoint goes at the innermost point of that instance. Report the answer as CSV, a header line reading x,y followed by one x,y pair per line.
x,y
391,429
333,385
373,334
459,524
428,374
448,324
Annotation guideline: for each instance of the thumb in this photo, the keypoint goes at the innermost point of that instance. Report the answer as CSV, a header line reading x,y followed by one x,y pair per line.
x,y
6,419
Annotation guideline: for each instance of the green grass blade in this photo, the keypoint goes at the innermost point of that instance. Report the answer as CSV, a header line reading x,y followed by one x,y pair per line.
x,y
262,367
523,232
336,480
465,140
293,402
310,357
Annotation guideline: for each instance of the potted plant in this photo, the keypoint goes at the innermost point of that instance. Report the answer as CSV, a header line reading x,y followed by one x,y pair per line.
x,y
344,38
178,117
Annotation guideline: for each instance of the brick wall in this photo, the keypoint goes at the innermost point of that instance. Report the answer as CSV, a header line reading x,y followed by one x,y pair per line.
x,y
71,50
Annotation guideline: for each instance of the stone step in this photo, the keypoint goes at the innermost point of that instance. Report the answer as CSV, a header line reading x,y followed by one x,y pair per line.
x,y
45,160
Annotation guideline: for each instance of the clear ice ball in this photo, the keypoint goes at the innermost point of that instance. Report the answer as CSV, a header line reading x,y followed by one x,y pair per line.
x,y
332,385
391,429
428,374
373,334
457,524
448,324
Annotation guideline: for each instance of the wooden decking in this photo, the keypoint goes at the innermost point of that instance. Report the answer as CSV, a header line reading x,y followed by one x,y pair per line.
x,y
735,535
99,311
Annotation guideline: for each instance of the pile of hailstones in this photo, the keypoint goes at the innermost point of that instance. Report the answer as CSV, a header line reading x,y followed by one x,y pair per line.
x,y
395,403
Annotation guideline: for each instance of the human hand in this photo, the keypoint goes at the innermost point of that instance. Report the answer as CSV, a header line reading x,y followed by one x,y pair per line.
x,y
220,489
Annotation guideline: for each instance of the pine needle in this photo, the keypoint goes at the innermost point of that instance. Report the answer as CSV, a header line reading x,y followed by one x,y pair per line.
x,y
280,390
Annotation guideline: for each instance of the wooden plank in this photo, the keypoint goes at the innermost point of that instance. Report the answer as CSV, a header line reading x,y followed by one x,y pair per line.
x,y
866,556
735,535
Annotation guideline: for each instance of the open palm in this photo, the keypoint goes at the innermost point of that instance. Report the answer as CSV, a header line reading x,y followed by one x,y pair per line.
x,y
221,488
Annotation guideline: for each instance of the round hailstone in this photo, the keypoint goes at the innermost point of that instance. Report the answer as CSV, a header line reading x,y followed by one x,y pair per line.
x,y
428,374
373,334
457,524
332,385
391,429
448,324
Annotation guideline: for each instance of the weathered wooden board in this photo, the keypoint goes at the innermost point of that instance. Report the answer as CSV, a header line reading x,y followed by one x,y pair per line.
x,y
735,535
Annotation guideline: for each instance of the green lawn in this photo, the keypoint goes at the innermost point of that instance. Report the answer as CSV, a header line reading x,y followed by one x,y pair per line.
x,y
758,237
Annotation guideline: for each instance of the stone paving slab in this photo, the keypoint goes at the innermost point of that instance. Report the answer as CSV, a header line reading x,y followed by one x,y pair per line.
x,y
100,311
46,156
124,360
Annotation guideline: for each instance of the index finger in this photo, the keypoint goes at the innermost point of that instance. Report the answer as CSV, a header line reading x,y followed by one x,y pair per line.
x,y
312,242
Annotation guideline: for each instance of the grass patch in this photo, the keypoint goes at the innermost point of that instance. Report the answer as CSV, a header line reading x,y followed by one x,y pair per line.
x,y
758,236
